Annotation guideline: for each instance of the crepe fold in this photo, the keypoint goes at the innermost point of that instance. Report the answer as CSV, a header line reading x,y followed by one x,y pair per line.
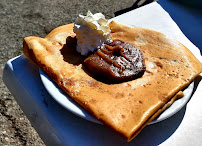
x,y
125,107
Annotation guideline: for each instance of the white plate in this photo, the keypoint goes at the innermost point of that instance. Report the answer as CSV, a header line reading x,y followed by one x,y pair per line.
x,y
63,99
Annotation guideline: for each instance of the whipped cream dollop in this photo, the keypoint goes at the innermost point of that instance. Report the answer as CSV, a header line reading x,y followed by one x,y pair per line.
x,y
91,32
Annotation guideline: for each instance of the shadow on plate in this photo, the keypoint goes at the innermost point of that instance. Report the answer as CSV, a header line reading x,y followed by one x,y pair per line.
x,y
156,134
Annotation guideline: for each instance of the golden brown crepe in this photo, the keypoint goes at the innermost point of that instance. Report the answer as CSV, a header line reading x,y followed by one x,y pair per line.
x,y
125,107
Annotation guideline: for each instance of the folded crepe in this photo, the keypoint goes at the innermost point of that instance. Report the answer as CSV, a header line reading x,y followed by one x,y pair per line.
x,y
124,107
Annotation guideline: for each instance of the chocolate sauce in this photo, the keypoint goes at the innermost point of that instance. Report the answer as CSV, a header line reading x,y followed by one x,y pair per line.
x,y
116,62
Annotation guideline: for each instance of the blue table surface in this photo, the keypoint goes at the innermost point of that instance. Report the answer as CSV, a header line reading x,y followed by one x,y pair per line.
x,y
188,18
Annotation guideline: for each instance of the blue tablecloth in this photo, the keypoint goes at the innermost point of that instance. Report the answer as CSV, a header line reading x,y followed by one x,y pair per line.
x,y
188,17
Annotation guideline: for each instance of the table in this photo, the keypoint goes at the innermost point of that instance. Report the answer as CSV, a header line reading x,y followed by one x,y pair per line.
x,y
57,126
188,18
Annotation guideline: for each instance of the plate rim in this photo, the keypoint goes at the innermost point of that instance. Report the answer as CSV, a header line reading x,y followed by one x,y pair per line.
x,y
81,112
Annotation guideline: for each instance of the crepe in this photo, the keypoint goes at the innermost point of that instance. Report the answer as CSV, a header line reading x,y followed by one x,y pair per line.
x,y
125,107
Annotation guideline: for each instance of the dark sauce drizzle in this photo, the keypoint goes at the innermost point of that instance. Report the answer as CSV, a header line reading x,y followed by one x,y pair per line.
x,y
116,61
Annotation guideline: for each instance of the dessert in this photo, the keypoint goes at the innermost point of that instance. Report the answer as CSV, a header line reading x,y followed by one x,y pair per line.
x,y
116,62
91,31
127,106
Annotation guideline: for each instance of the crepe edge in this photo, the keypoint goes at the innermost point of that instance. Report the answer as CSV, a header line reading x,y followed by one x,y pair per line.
x,y
30,54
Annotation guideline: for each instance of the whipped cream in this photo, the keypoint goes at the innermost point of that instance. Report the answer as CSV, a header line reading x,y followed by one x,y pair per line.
x,y
91,32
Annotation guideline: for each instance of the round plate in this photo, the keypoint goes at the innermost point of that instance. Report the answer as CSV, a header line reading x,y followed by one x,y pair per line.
x,y
63,99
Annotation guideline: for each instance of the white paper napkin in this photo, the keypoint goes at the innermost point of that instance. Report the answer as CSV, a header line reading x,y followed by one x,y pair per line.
x,y
153,16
